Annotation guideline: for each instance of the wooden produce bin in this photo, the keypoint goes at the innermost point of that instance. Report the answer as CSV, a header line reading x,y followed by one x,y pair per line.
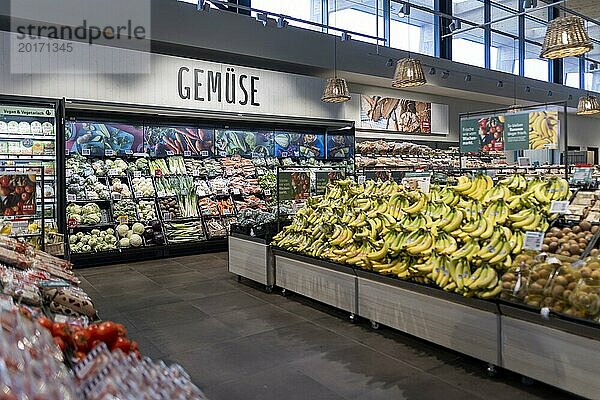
x,y
328,283
560,353
251,258
467,325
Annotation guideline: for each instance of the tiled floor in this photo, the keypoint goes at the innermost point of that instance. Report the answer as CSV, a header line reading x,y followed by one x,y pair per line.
x,y
238,342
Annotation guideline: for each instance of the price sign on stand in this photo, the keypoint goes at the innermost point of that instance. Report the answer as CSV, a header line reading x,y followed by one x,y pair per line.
x,y
157,172
195,173
533,240
361,179
129,152
123,219
109,153
85,152
284,154
67,152
223,153
113,172
170,153
72,223
116,196
187,153
137,174
160,193
236,191
167,216
559,207
267,192
68,172
71,197
139,195
582,175
204,153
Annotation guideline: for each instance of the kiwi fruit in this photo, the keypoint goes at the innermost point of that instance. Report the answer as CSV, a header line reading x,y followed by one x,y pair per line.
x,y
507,285
508,277
566,231
542,282
558,234
595,274
572,285
545,248
565,253
554,230
557,291
585,226
594,252
586,272
581,235
576,229
561,280
594,229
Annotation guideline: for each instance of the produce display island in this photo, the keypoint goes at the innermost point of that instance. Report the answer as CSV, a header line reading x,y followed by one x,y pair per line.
x,y
552,348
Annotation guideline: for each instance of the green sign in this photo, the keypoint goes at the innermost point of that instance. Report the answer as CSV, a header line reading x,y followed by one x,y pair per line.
x,y
294,185
516,132
470,142
324,177
582,175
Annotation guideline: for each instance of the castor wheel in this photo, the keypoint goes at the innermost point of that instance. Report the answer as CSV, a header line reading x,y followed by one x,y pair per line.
x,y
492,370
239,278
284,293
269,289
352,318
526,381
374,325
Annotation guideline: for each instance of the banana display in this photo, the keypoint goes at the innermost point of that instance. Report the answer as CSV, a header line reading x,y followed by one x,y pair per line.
x,y
457,238
543,130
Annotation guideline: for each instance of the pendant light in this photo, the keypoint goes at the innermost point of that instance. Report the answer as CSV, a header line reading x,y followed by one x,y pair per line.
x,y
336,89
409,71
566,37
588,105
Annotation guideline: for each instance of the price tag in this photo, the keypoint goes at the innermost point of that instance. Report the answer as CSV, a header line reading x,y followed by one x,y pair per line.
x,y
85,152
170,153
223,153
533,240
28,208
129,152
116,196
157,172
195,173
267,192
123,219
113,172
68,172
226,212
161,193
187,153
137,174
71,197
284,154
139,195
167,216
296,154
67,152
72,223
109,153
204,153
361,179
559,207
140,155
61,319
236,191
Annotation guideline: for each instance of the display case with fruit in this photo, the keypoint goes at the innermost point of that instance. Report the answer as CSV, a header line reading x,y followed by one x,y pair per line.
x,y
571,241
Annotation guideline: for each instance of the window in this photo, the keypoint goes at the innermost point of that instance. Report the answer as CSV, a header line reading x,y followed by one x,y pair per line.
x,y
357,16
469,48
592,76
308,10
504,9
413,32
468,10
535,67
571,72
504,54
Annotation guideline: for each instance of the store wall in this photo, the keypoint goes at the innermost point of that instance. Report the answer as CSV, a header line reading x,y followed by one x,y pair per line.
x,y
165,83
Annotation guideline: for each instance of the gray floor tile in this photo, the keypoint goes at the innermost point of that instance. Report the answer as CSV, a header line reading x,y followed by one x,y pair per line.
x,y
179,279
226,302
205,288
273,384
256,319
169,315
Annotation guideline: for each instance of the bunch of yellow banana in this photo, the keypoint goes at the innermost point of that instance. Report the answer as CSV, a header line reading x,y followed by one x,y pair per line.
x,y
473,188
516,183
529,220
498,192
543,130
497,211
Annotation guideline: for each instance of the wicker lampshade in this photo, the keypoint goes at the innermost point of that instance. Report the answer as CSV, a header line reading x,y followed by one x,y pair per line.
x,y
566,37
336,91
409,72
588,105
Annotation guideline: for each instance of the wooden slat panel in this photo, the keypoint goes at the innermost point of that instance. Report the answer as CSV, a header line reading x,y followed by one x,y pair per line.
x,y
465,329
249,260
558,358
331,287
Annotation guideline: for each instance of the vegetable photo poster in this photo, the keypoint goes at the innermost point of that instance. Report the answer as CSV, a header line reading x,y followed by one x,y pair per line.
x,y
392,114
161,141
17,195
95,138
245,143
